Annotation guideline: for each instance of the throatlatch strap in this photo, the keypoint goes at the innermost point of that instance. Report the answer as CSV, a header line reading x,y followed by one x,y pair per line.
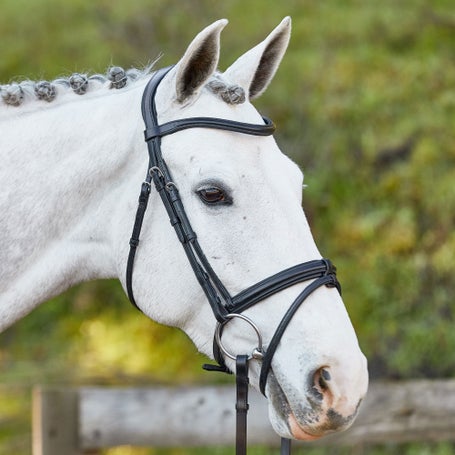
x,y
134,241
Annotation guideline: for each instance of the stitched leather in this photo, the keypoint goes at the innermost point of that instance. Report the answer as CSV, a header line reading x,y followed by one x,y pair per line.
x,y
208,122
134,240
302,272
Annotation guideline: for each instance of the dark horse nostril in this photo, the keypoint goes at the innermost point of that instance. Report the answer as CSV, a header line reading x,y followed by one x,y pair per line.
x,y
325,376
319,382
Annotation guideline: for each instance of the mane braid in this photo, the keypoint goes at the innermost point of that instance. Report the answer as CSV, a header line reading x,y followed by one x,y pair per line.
x,y
229,93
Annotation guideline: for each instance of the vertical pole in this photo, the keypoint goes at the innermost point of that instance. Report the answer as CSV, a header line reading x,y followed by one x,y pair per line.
x,y
55,421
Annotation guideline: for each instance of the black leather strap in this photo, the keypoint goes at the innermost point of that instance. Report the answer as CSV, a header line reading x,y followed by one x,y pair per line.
x,y
241,404
134,240
285,446
208,122
327,280
297,274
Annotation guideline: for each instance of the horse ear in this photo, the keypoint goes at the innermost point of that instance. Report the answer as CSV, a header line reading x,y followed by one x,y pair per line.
x,y
199,61
255,69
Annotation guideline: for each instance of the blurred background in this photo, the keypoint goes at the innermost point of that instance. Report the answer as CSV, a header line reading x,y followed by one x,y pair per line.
x,y
364,101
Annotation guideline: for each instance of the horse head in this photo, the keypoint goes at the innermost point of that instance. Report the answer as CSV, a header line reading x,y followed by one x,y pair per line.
x,y
243,198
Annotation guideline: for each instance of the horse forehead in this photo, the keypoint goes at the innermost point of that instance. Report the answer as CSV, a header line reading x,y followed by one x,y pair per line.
x,y
205,150
229,149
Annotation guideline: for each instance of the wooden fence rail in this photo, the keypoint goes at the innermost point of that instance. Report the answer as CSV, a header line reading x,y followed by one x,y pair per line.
x,y
83,420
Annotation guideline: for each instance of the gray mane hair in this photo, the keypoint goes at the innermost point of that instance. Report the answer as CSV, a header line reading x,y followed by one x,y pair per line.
x,y
116,78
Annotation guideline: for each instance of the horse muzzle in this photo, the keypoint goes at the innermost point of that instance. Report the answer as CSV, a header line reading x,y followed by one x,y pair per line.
x,y
328,404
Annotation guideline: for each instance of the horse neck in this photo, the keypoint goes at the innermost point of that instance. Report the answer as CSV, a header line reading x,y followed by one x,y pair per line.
x,y
67,172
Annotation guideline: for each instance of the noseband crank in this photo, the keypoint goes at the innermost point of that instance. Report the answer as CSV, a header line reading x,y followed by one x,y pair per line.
x,y
225,307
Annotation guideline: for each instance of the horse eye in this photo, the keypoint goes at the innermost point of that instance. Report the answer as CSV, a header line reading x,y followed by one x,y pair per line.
x,y
214,196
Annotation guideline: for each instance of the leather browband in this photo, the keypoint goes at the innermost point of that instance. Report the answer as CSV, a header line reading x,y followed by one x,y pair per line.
x,y
208,122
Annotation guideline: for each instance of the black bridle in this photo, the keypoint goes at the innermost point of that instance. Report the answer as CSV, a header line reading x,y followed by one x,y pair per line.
x,y
224,306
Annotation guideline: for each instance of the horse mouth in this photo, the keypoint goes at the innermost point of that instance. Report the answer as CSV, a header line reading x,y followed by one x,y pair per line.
x,y
299,433
285,423
306,424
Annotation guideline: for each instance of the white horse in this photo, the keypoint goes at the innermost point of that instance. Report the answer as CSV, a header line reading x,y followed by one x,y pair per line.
x,y
71,167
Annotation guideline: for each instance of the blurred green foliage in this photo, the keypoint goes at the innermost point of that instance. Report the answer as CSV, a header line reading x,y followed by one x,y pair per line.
x,y
364,101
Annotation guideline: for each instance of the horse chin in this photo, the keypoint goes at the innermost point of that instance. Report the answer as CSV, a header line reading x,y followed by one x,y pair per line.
x,y
281,416
284,420
291,429
285,425
297,432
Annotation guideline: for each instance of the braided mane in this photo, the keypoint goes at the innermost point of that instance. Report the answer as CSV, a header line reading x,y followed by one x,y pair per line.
x,y
16,93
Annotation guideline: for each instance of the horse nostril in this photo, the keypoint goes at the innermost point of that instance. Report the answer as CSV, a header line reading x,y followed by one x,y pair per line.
x,y
324,378
320,382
